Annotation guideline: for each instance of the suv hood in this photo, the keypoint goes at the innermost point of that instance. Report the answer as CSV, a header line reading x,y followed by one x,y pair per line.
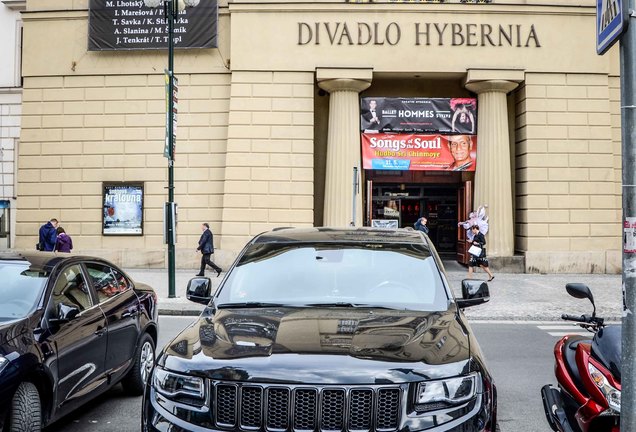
x,y
321,345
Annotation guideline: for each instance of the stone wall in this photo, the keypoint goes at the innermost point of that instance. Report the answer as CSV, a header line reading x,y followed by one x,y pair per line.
x,y
80,131
270,157
568,209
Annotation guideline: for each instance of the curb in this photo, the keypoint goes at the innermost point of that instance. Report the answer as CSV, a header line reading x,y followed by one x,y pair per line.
x,y
175,312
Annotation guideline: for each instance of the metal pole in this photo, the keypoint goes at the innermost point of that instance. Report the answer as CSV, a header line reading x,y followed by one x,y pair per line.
x,y
171,13
353,196
628,132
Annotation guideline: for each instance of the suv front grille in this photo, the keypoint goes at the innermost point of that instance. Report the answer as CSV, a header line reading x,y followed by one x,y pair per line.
x,y
276,408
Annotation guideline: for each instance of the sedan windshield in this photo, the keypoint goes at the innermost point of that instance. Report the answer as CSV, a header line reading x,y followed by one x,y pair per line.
x,y
401,276
20,290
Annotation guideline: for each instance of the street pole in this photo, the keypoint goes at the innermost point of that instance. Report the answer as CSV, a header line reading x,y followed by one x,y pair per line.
x,y
353,196
628,132
171,13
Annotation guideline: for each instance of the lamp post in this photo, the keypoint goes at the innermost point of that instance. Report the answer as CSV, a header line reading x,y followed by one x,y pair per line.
x,y
171,10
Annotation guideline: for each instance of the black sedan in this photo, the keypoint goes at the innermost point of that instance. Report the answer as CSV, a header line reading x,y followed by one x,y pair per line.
x,y
71,327
327,330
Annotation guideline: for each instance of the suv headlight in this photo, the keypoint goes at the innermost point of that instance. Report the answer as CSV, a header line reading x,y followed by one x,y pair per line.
x,y
612,394
174,385
451,391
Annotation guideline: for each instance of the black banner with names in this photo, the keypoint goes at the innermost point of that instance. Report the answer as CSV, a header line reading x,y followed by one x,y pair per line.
x,y
130,25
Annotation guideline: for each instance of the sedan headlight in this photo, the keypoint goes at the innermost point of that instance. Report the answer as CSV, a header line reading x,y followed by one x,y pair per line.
x,y
173,385
612,394
449,391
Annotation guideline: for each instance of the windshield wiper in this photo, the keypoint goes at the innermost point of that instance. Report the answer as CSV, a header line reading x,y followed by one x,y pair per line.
x,y
348,305
251,305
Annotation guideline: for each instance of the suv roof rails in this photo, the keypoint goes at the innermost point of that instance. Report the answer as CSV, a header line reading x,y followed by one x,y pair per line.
x,y
282,228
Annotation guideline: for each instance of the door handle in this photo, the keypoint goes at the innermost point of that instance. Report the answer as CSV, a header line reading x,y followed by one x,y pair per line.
x,y
133,314
99,332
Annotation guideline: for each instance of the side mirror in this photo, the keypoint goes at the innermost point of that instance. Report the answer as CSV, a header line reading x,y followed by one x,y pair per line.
x,y
474,292
580,291
65,313
199,290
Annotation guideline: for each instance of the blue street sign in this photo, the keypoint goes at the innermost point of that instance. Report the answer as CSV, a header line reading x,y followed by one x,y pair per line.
x,y
609,24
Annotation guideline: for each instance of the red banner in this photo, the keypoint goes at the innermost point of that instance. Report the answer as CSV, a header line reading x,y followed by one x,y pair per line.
x,y
406,152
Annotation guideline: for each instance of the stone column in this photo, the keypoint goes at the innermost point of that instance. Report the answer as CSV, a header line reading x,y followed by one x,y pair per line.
x,y
493,173
343,142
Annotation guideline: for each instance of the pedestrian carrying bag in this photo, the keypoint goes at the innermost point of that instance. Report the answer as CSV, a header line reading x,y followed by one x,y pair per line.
x,y
475,250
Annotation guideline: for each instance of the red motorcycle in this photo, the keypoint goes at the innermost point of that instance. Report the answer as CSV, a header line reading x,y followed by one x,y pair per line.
x,y
588,372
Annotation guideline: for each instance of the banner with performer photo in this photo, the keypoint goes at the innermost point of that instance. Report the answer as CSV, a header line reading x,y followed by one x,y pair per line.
x,y
123,209
413,152
418,115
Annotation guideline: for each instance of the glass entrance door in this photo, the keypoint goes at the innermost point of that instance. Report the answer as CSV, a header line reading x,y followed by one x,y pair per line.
x,y
405,204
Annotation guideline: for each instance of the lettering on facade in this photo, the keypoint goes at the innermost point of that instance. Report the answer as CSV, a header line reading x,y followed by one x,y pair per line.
x,y
426,34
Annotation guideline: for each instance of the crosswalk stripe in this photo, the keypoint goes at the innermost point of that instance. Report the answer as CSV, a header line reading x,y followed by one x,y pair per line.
x,y
559,327
561,334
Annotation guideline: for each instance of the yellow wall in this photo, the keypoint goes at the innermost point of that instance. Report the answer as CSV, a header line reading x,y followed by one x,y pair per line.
x,y
252,129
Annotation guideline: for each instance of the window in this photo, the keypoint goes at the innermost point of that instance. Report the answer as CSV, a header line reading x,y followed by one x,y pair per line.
x,y
71,289
20,291
107,281
400,275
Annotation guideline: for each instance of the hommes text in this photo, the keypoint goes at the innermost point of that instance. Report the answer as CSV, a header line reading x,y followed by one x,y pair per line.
x,y
440,34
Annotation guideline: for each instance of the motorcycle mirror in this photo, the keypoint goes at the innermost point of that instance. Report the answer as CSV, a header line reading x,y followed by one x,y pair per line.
x,y
580,290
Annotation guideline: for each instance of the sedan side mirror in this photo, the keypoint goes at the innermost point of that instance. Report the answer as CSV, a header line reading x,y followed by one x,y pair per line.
x,y
65,313
474,292
199,290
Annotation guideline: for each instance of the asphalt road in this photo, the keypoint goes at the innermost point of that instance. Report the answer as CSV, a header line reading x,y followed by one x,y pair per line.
x,y
519,355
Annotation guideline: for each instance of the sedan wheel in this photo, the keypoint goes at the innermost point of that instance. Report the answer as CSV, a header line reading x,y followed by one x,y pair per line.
x,y
26,411
144,360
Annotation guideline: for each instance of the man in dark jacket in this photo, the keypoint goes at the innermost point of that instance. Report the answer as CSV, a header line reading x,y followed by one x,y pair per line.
x,y
48,236
420,225
206,246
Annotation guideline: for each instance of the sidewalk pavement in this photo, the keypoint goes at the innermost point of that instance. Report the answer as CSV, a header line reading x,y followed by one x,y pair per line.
x,y
513,297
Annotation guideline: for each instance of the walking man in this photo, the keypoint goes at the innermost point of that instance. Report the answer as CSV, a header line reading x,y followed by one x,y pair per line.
x,y
206,246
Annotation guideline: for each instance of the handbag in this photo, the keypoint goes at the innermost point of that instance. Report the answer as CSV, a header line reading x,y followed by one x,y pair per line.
x,y
475,250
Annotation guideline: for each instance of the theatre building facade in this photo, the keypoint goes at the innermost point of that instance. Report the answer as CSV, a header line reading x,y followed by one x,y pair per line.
x,y
324,113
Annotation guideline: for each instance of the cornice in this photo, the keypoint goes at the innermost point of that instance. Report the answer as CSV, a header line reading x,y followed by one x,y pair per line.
x,y
16,5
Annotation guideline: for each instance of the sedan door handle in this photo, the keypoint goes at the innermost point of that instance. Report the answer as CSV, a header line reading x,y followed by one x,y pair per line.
x,y
99,332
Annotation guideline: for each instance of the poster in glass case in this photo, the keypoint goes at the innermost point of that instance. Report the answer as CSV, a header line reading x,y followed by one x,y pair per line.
x,y
123,205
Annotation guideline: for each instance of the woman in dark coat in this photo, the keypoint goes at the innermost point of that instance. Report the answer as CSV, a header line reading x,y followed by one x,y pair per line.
x,y
479,261
64,243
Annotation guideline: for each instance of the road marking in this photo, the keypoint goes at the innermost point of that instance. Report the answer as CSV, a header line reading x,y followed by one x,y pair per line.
x,y
570,329
561,334
560,327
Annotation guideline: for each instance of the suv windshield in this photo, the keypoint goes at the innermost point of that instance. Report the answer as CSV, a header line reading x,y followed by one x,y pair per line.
x,y
398,275
20,290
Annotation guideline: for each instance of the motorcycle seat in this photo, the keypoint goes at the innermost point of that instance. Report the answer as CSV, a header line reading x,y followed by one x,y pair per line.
x,y
569,356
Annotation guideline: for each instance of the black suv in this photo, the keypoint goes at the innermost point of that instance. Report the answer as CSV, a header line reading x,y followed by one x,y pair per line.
x,y
325,329
71,327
